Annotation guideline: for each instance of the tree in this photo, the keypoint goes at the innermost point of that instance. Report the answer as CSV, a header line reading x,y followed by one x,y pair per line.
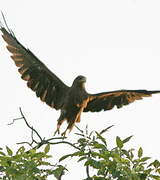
x,y
28,165
101,162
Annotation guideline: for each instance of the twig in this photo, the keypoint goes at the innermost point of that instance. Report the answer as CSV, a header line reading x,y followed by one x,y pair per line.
x,y
66,142
87,171
79,129
55,138
29,125
87,167
15,120
42,141
30,144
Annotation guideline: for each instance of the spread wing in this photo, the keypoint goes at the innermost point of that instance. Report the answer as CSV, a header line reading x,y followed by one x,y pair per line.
x,y
108,100
47,86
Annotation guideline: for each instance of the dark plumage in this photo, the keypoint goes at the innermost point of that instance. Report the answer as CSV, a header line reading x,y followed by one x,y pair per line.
x,y
72,101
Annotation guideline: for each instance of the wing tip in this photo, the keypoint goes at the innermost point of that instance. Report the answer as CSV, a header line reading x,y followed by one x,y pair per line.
x,y
1,24
155,92
4,27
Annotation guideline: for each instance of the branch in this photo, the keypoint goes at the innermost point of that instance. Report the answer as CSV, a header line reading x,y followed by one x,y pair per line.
x,y
87,171
14,120
66,142
42,141
48,141
29,125
30,144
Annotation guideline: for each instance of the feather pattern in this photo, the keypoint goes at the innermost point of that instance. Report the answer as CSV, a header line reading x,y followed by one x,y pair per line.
x,y
108,100
50,89
47,86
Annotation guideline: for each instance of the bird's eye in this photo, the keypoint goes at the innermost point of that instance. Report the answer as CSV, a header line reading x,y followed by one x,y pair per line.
x,y
81,78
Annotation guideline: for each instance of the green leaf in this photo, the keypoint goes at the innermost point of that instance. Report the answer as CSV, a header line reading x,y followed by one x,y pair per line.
x,y
93,163
64,157
140,152
9,151
106,129
155,177
47,148
21,150
156,164
32,151
82,158
125,152
2,153
127,139
58,172
99,146
144,159
119,142
101,138
45,163
82,140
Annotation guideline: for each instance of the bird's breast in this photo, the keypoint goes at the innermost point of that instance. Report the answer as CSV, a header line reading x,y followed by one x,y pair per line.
x,y
76,100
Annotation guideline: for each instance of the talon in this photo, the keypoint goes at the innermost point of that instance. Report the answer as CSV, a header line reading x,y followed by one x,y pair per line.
x,y
57,130
64,133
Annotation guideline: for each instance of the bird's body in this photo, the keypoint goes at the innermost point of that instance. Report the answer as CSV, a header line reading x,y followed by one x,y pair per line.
x,y
74,104
71,101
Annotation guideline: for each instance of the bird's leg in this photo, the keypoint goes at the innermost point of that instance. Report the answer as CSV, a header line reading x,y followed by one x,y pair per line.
x,y
64,133
57,130
60,121
69,128
58,127
78,119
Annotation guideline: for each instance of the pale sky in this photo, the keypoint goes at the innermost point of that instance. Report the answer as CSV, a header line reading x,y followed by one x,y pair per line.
x,y
115,44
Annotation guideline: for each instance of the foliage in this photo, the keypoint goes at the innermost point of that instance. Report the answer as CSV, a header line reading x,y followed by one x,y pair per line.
x,y
101,162
117,163
28,165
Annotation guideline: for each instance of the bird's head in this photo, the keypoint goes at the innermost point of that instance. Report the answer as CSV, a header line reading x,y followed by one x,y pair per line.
x,y
79,81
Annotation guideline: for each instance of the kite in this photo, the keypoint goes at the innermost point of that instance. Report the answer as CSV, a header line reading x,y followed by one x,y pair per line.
x,y
71,101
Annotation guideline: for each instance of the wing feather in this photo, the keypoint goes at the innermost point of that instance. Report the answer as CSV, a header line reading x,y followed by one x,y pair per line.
x,y
47,86
108,100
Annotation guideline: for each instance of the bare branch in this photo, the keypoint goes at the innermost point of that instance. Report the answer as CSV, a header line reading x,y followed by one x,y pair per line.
x,y
65,142
15,120
42,141
29,125
79,129
30,144
55,138
87,171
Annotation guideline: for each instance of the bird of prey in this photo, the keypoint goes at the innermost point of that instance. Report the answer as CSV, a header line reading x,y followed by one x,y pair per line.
x,y
71,101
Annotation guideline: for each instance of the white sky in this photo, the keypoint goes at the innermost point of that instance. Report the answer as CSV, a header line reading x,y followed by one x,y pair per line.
x,y
115,44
